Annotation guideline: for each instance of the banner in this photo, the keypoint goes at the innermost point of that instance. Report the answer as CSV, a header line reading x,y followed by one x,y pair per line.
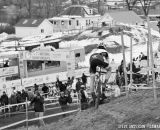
x,y
26,82
8,71
46,55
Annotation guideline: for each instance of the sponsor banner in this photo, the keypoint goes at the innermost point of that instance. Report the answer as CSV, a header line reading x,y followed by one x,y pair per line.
x,y
79,72
46,55
8,71
26,82
9,85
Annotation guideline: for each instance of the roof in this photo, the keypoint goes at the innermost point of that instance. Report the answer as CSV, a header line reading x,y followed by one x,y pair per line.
x,y
77,10
29,22
126,17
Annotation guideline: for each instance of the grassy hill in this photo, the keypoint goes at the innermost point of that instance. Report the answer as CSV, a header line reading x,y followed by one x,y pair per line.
x,y
132,113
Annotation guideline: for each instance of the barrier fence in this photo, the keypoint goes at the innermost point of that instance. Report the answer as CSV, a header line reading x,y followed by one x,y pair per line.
x,y
39,118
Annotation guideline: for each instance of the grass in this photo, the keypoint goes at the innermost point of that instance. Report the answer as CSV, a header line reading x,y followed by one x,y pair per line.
x,y
138,109
22,116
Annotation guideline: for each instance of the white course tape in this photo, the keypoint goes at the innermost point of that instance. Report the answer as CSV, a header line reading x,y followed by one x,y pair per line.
x,y
17,123
140,87
58,114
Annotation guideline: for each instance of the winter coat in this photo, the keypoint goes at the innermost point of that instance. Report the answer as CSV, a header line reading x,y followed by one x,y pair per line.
x,y
4,100
38,103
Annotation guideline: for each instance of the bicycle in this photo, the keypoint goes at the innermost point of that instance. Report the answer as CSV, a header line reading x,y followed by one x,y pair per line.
x,y
99,86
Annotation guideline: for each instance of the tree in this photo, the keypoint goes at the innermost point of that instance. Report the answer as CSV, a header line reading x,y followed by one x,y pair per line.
x,y
28,5
131,4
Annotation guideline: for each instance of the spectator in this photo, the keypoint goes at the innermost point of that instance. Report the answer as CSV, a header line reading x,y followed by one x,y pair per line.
x,y
30,95
38,101
36,87
118,81
69,81
13,100
78,85
6,64
19,99
63,101
84,98
4,100
84,79
57,83
24,95
45,90
120,68
62,87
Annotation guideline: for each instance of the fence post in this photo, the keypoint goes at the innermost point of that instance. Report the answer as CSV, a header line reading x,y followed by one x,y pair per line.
x,y
26,113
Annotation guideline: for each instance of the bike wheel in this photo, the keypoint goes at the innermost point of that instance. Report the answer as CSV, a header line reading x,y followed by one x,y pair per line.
x,y
98,95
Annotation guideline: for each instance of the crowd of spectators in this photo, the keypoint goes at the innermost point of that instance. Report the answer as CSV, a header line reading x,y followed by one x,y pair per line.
x,y
65,90
136,75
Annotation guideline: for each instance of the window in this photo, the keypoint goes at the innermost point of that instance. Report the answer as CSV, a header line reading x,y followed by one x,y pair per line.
x,y
42,30
62,22
90,11
77,55
55,22
34,65
51,64
89,21
25,21
77,23
34,21
70,22
86,22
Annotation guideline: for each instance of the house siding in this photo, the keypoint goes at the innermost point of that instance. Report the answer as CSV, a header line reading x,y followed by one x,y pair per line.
x,y
26,31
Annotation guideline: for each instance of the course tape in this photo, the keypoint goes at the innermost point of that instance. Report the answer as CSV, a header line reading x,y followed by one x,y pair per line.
x,y
17,123
58,114
34,119
141,87
11,105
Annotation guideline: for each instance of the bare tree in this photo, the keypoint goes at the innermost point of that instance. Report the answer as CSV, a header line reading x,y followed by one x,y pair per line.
x,y
131,4
28,5
20,4
145,6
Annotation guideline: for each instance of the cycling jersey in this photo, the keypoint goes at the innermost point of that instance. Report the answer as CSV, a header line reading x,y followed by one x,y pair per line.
x,y
97,59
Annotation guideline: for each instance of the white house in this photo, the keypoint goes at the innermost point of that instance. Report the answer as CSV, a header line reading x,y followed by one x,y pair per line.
x,y
75,17
124,17
29,27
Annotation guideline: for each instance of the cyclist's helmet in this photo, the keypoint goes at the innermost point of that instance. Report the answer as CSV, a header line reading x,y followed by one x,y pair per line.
x,y
101,46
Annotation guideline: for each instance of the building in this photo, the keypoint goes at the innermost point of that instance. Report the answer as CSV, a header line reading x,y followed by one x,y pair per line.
x,y
121,17
30,27
75,17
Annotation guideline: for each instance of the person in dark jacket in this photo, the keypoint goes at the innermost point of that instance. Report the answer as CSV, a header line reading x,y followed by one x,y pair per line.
x,y
84,79
36,87
4,101
78,85
45,90
38,102
24,95
63,100
57,83
62,87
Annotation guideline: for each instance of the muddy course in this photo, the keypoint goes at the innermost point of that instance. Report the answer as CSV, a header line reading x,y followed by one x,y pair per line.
x,y
136,112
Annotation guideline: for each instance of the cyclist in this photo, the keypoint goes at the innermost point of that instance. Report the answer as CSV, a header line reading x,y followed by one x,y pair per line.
x,y
99,58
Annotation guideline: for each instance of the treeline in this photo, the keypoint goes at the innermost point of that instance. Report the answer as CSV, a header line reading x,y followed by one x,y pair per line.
x,y
30,9
7,29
